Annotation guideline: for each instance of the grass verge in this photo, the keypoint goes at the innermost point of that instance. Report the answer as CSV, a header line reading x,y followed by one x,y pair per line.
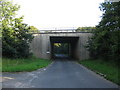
x,y
20,65
107,69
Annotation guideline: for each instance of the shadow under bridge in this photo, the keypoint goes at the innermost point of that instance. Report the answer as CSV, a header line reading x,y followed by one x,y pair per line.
x,y
64,47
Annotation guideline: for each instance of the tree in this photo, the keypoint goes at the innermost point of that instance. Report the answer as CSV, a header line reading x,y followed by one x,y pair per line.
x,y
15,35
33,29
61,48
105,41
85,29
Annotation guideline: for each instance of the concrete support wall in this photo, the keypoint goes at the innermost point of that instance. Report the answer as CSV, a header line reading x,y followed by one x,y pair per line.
x,y
41,45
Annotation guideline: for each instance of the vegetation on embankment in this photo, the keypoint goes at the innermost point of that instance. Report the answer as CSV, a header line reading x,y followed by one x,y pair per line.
x,y
109,70
105,41
20,65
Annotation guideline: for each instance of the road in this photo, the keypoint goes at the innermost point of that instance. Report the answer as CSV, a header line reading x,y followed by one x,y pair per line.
x,y
60,74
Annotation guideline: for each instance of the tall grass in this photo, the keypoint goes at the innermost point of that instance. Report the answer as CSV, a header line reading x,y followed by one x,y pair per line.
x,y
19,65
108,69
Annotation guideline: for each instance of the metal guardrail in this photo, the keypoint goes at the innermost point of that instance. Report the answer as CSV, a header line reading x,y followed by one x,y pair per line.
x,y
61,31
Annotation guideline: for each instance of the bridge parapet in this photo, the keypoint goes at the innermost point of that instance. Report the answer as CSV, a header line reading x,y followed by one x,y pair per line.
x,y
61,31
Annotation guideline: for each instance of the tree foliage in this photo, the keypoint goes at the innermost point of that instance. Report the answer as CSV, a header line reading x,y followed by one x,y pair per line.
x,y
15,34
61,48
85,29
105,41
33,29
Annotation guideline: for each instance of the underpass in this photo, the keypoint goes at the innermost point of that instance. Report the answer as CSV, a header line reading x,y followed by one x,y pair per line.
x,y
43,44
69,51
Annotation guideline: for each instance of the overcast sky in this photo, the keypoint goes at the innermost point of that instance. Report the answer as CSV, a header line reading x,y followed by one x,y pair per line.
x,y
57,14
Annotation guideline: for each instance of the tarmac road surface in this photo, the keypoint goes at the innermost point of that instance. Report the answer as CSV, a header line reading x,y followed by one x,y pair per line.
x,y
60,74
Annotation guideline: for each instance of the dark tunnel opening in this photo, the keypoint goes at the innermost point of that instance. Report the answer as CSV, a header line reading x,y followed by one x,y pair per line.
x,y
64,47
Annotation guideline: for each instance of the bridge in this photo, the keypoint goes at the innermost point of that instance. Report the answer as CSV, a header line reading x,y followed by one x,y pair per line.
x,y
42,45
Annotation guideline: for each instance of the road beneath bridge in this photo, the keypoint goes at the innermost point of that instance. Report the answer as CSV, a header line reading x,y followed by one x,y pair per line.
x,y
60,74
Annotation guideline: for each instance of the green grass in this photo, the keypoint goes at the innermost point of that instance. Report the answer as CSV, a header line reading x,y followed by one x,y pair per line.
x,y
108,69
0,64
20,65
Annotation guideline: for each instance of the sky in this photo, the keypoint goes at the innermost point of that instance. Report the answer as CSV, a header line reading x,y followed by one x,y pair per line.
x,y
60,14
